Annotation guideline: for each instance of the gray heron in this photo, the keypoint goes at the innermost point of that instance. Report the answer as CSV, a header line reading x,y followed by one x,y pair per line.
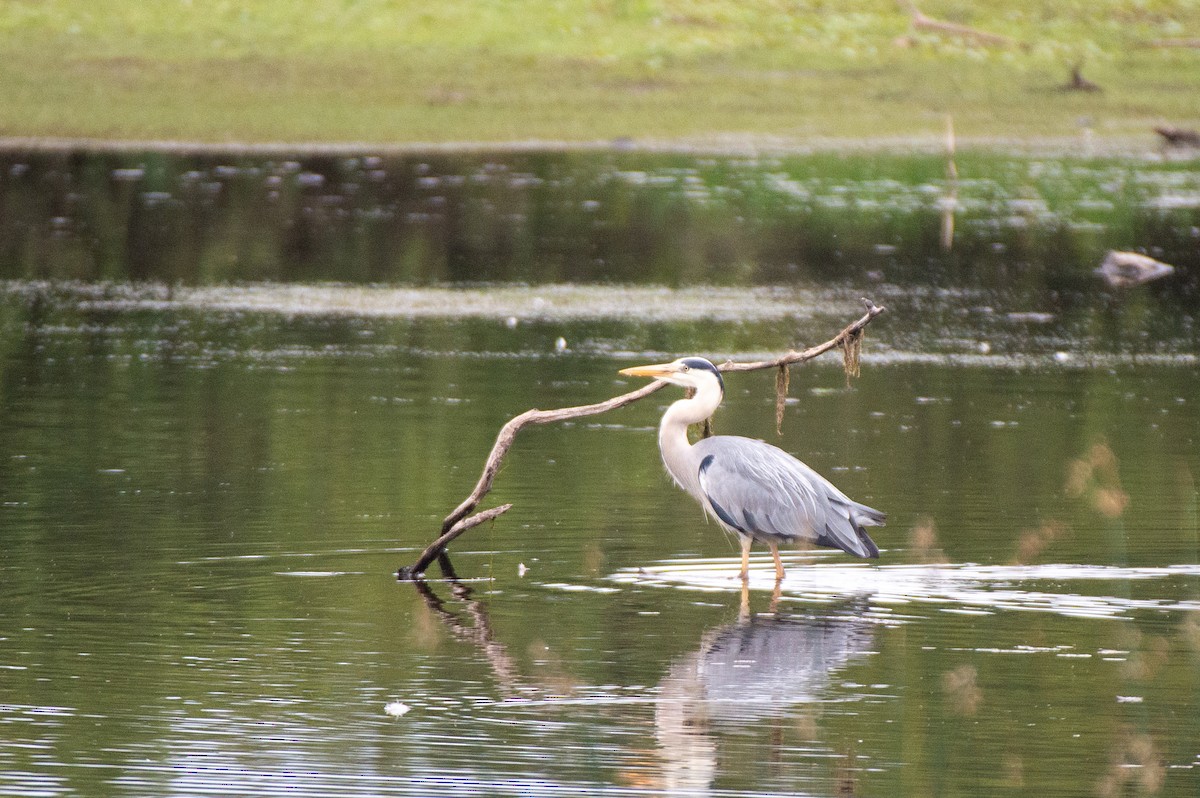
x,y
753,489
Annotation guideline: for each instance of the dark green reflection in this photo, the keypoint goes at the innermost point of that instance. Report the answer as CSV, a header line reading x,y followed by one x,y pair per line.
x,y
1037,225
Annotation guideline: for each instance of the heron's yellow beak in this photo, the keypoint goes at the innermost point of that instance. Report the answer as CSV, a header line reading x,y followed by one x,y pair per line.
x,y
660,370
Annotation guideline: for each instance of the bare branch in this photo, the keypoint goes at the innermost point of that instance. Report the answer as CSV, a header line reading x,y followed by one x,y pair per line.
x,y
508,434
922,22
1187,44
461,519
437,547
793,356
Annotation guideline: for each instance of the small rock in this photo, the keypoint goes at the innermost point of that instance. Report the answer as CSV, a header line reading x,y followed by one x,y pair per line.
x,y
1030,317
1127,269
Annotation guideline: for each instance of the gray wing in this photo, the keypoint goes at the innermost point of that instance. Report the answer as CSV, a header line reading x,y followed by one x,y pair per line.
x,y
762,491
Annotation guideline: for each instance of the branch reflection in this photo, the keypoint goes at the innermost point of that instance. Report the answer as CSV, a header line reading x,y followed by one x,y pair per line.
x,y
478,632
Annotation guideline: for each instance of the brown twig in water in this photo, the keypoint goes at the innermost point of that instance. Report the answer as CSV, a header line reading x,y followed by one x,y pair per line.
x,y
921,22
1187,44
1178,136
437,549
461,519
1078,82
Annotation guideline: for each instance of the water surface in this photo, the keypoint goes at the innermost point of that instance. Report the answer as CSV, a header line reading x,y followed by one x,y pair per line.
x,y
203,511
235,396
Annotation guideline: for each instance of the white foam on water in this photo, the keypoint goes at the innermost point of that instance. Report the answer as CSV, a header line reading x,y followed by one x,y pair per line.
x,y
966,588
512,304
558,302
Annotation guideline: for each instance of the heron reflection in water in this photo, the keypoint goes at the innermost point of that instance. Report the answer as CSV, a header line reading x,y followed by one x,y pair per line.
x,y
753,489
744,672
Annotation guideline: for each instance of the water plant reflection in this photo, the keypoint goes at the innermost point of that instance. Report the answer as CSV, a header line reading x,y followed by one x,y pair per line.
x,y
1094,477
1136,762
961,687
1030,224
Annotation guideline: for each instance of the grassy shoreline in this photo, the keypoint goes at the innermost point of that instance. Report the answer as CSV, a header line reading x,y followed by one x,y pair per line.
x,y
664,73
742,146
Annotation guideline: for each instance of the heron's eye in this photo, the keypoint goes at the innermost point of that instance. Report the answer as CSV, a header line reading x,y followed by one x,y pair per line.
x,y
685,367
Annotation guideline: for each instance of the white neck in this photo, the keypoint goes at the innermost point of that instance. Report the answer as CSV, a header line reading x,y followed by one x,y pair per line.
x,y
672,434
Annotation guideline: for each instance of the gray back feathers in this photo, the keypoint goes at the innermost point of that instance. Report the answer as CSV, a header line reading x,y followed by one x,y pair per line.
x,y
762,492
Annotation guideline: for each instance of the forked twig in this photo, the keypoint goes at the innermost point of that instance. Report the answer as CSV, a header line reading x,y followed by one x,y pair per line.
x,y
461,519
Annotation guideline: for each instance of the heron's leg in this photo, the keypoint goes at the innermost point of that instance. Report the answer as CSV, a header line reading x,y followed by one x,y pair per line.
x,y
745,574
744,607
778,563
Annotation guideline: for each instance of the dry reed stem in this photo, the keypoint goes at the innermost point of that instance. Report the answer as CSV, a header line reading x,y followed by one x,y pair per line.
x,y
922,22
781,390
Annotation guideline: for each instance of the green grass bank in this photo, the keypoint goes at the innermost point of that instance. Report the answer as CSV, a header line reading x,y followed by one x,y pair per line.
x,y
694,71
